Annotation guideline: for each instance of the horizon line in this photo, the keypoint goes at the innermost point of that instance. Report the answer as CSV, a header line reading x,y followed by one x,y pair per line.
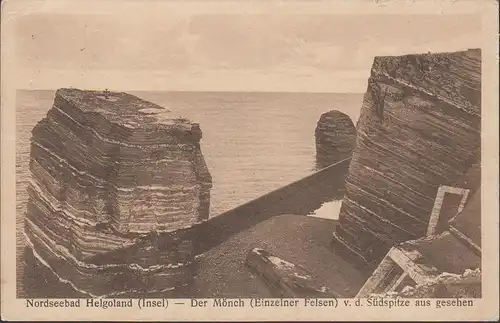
x,y
189,91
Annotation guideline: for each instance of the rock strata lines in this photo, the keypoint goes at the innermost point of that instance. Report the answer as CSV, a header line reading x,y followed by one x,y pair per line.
x,y
107,171
419,128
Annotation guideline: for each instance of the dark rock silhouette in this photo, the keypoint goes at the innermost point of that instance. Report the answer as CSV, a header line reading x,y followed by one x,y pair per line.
x,y
335,137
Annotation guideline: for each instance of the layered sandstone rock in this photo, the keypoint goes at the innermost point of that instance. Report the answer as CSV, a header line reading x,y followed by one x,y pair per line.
x,y
335,137
108,174
438,265
419,128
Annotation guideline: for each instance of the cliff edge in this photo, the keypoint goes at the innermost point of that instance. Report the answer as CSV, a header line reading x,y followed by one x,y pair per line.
x,y
419,128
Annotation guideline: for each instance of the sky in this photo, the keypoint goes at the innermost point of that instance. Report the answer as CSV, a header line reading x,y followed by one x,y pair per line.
x,y
235,51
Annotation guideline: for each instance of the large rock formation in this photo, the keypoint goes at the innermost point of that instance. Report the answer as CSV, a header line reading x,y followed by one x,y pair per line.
x,y
335,138
419,128
110,172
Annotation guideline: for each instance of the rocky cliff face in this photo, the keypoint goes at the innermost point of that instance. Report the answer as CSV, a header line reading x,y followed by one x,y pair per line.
x,y
107,171
335,137
419,128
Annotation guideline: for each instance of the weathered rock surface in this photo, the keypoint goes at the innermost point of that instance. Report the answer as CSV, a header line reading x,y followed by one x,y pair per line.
x,y
446,264
285,279
106,172
446,285
335,138
419,128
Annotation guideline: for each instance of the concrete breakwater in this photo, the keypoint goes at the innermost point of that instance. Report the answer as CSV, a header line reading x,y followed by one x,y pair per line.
x,y
300,197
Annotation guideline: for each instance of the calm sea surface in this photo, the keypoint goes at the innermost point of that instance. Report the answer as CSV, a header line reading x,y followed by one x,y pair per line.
x,y
252,142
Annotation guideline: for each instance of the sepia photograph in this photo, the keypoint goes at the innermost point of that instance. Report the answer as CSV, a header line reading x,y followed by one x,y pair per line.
x,y
287,153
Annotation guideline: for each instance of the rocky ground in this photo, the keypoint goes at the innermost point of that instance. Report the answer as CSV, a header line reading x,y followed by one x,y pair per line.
x,y
302,240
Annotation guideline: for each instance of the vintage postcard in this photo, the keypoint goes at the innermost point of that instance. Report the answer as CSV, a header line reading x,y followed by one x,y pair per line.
x,y
249,160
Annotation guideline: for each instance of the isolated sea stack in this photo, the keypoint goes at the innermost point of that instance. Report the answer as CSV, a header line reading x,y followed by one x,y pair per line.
x,y
110,174
419,128
335,138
